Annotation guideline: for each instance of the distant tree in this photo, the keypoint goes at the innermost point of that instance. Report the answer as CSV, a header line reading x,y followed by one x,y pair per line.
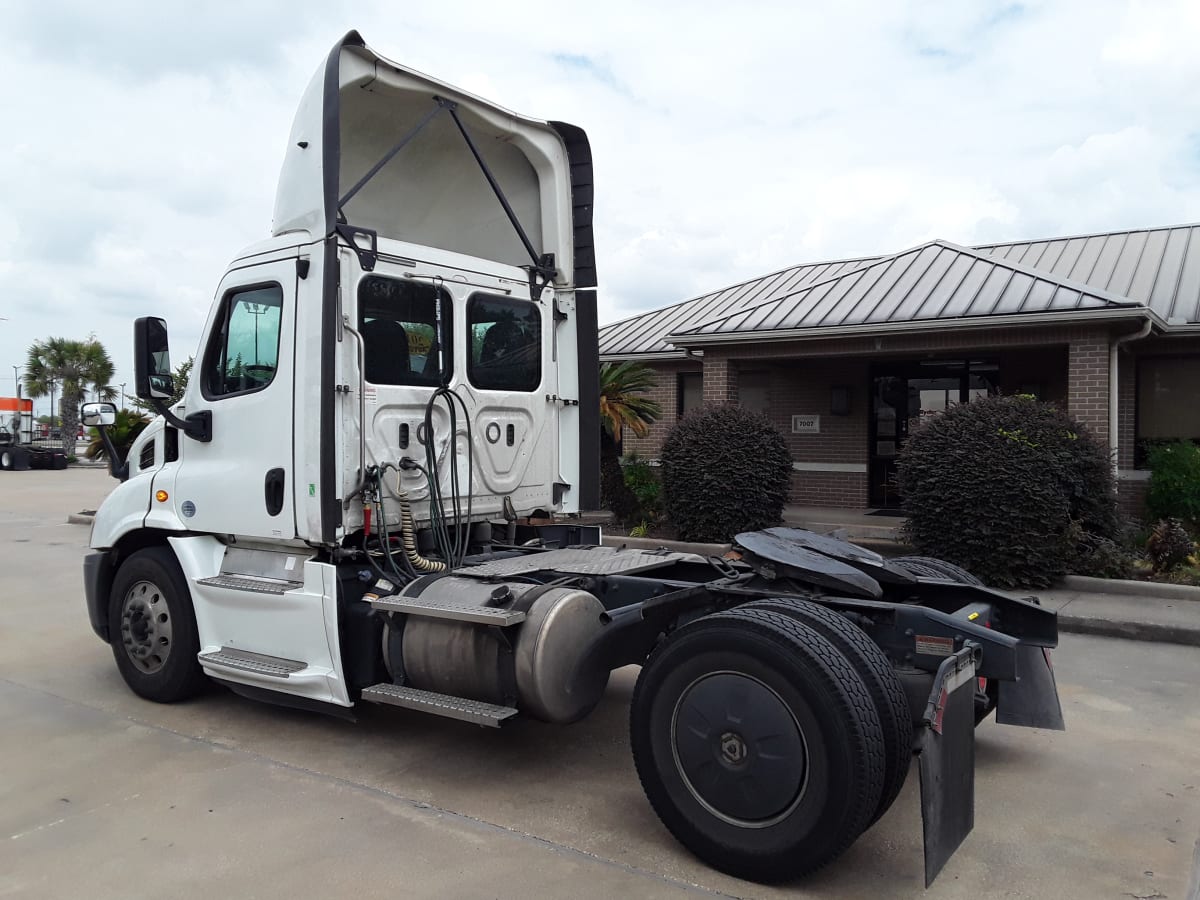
x,y
74,368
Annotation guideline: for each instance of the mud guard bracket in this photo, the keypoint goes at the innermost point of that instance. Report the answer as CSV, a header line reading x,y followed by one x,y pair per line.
x,y
1032,700
947,760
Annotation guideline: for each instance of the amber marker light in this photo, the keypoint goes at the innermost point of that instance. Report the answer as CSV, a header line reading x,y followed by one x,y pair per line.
x,y
160,496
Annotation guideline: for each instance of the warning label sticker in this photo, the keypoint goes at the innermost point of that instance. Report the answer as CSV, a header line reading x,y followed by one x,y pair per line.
x,y
371,394
935,646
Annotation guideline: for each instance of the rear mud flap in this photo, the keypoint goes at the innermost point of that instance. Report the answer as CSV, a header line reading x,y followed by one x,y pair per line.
x,y
947,761
1032,700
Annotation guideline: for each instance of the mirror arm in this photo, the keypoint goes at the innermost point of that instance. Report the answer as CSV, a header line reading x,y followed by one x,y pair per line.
x,y
197,426
118,470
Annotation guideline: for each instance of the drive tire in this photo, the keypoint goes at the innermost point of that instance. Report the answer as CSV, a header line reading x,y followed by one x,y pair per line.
x,y
710,699
152,628
887,693
931,567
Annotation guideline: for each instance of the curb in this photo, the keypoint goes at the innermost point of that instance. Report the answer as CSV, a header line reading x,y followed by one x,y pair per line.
x,y
81,518
1132,631
1130,588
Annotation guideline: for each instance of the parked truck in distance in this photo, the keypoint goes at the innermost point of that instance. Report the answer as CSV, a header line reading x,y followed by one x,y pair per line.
x,y
390,389
22,441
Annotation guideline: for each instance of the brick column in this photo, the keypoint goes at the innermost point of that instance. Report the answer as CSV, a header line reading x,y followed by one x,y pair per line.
x,y
720,380
1087,382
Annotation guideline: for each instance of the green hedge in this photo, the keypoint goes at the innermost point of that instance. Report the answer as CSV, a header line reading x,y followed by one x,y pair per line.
x,y
1011,489
1174,482
724,470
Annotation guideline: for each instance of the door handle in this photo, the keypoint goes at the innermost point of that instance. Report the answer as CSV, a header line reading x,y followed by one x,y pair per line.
x,y
273,491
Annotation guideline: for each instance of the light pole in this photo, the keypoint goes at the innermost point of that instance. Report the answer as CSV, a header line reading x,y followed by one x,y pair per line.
x,y
17,381
123,394
256,310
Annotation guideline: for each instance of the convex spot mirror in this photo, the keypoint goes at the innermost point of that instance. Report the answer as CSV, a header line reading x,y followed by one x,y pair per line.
x,y
98,414
152,360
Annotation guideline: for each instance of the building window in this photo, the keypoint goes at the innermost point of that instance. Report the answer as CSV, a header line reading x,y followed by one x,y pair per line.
x,y
1168,401
690,392
406,328
243,351
754,391
505,344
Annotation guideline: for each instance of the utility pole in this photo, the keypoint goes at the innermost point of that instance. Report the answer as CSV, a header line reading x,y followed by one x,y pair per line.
x,y
123,394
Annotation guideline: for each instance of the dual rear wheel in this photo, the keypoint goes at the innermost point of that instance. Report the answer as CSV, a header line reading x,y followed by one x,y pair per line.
x,y
768,737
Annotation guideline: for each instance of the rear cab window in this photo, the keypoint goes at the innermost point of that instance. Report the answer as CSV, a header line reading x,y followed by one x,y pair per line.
x,y
406,327
505,343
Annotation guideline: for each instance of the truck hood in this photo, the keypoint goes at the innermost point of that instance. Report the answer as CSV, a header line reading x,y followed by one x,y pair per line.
x,y
432,191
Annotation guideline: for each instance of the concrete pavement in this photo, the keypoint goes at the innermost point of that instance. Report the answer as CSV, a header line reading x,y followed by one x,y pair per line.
x,y
106,795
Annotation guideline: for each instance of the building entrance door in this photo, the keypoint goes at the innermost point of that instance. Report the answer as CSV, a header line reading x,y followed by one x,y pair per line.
x,y
905,393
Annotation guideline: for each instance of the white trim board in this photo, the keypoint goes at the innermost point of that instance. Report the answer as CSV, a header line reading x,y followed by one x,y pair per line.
x,y
849,468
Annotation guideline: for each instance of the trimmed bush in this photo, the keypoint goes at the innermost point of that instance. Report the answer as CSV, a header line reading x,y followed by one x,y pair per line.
x,y
1011,489
1174,482
724,470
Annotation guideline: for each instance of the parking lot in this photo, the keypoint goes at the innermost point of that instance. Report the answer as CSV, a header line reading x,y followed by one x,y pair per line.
x,y
106,795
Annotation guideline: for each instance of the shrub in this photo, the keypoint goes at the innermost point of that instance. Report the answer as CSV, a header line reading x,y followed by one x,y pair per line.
x,y
643,483
1011,489
1168,546
725,470
1174,482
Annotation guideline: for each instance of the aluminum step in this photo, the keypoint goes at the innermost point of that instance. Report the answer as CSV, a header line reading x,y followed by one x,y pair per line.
x,y
258,584
448,609
473,711
244,660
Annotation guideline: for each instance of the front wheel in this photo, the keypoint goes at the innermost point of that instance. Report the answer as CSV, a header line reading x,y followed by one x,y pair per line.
x,y
757,744
153,629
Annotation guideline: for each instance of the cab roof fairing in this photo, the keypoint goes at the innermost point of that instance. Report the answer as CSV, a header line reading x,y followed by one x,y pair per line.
x,y
432,193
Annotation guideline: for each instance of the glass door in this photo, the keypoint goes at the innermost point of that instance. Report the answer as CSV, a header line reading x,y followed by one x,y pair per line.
x,y
904,394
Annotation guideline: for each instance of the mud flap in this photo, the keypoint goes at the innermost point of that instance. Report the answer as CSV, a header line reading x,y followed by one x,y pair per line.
x,y
1031,700
947,761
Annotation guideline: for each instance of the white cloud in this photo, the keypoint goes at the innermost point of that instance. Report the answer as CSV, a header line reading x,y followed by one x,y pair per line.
x,y
729,141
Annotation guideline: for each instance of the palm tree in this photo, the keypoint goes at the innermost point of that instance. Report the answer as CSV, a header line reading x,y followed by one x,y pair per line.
x,y
122,432
73,365
622,405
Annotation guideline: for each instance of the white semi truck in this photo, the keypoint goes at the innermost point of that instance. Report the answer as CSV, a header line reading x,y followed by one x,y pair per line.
x,y
385,392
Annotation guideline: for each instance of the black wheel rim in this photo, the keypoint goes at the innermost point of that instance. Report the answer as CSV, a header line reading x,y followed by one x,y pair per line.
x,y
739,749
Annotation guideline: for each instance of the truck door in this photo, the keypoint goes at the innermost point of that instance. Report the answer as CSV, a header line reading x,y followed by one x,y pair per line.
x,y
241,481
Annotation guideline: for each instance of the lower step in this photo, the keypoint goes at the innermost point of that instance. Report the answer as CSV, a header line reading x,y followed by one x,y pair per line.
x,y
244,660
473,711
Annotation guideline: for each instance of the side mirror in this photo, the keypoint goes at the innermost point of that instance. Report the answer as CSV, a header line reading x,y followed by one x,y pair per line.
x,y
152,360
98,414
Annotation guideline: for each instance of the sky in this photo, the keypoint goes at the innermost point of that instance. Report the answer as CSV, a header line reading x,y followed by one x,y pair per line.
x,y
141,143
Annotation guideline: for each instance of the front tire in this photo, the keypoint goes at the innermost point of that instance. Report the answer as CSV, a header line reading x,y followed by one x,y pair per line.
x,y
757,744
153,629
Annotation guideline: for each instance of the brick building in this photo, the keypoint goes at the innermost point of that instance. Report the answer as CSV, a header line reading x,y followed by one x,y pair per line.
x,y
845,356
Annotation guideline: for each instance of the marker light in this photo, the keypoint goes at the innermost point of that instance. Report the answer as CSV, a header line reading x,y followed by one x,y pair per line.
x,y
160,496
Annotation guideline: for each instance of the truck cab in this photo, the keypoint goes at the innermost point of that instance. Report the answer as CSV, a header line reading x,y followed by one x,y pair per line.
x,y
392,390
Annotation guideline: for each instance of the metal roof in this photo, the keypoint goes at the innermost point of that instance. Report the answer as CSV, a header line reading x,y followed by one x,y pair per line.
x,y
1157,267
646,332
937,280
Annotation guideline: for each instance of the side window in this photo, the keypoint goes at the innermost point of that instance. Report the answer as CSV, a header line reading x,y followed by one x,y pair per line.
x,y
505,337
243,351
406,328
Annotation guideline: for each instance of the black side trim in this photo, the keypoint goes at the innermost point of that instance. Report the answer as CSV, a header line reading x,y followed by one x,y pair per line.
x,y
97,584
587,328
331,509
289,700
